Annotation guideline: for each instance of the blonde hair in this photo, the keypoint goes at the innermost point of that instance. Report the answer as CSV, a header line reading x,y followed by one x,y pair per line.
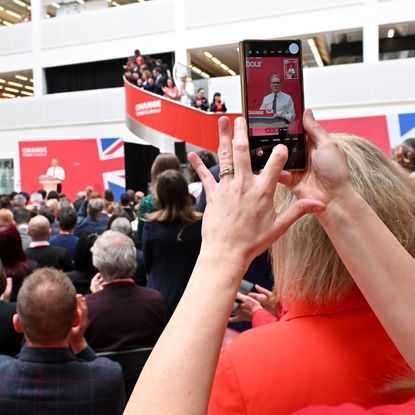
x,y
306,265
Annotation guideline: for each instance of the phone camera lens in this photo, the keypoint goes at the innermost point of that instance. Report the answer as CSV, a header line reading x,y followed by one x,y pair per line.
x,y
265,52
293,48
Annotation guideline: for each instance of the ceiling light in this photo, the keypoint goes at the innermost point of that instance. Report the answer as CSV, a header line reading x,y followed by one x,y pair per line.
x,y
55,5
6,23
21,77
5,94
20,3
205,75
225,67
31,80
216,60
2,81
29,7
231,72
196,69
30,88
16,15
114,3
29,94
1,87
11,89
1,8
208,54
15,84
81,1
391,33
315,52
48,16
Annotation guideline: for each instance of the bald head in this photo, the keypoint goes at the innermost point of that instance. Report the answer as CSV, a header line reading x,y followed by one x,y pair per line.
x,y
39,228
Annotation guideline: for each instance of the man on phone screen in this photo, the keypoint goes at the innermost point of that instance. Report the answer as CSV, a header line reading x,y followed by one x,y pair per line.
x,y
280,103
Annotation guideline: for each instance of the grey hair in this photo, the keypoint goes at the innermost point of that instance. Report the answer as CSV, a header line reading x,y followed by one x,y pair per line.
x,y
95,207
122,225
306,266
19,200
114,255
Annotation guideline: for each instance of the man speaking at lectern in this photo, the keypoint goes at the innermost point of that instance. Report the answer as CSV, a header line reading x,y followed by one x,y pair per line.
x,y
57,172
280,103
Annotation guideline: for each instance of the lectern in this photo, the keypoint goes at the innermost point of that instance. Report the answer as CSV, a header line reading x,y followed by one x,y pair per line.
x,y
49,183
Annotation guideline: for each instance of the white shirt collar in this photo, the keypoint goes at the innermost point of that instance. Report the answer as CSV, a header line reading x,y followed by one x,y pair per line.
x,y
35,244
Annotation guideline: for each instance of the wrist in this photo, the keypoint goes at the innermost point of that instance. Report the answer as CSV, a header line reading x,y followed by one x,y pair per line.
x,y
339,209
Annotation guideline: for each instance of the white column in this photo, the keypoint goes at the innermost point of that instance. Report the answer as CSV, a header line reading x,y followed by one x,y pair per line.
x,y
182,56
38,14
370,33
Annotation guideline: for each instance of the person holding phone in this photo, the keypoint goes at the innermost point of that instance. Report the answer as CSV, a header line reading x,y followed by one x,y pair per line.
x,y
280,103
362,240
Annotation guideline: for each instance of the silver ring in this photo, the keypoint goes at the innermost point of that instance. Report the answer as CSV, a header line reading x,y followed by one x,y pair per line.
x,y
224,172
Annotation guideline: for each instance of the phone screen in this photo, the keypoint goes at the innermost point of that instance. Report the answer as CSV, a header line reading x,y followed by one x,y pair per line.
x,y
273,100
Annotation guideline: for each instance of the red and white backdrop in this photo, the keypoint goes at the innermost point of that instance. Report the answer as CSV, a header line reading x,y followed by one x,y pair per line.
x,y
99,162
96,162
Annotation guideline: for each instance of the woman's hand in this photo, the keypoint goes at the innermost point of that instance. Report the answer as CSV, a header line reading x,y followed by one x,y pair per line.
x,y
327,176
246,308
240,221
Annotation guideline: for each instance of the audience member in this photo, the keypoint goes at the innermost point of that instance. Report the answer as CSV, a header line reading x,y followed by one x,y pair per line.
x,y
127,204
404,154
109,195
6,217
40,249
65,238
10,340
56,372
171,238
84,269
49,214
217,104
200,101
22,217
122,224
80,197
147,81
95,221
15,262
122,315
162,162
186,90
36,200
159,80
170,90
19,201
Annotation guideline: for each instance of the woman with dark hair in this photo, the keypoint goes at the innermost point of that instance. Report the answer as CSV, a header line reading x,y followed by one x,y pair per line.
x,y
16,265
84,270
217,104
162,162
171,239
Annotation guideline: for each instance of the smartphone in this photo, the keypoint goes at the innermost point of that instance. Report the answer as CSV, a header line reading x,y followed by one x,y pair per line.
x,y
273,99
244,288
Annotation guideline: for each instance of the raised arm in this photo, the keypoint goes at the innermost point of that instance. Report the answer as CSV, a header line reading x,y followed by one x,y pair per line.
x,y
380,266
239,223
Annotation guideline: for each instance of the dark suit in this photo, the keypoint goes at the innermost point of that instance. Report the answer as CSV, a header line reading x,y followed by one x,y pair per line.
x,y
91,225
159,83
124,316
54,381
51,256
10,340
169,259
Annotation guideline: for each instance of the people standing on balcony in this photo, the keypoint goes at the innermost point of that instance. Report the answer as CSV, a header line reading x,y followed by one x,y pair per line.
x,y
200,101
170,90
186,90
159,80
217,104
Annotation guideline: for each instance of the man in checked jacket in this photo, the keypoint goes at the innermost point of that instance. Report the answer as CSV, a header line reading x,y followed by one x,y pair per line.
x,y
56,371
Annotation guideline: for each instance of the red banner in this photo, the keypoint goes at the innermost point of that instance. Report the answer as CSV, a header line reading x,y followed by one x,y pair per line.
x,y
150,115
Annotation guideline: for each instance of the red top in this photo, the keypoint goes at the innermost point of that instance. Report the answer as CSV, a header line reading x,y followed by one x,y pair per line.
x,y
312,356
407,408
